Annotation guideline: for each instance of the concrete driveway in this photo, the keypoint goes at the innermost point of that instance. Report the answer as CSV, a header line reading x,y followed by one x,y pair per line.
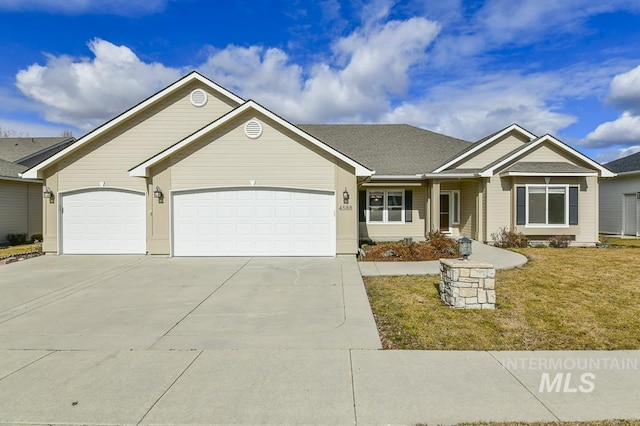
x,y
142,302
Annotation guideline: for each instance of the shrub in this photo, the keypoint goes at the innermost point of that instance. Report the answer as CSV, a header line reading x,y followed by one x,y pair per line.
x,y
36,238
17,239
559,241
443,245
509,238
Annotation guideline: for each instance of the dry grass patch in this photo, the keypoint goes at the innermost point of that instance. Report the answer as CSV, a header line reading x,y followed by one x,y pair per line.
x,y
18,250
592,423
563,299
621,242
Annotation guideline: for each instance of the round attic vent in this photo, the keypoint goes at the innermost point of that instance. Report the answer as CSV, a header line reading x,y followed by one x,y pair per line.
x,y
198,98
253,129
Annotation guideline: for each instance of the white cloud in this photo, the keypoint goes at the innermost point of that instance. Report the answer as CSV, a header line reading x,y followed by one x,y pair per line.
x,y
614,154
86,92
473,110
77,7
623,131
369,66
625,91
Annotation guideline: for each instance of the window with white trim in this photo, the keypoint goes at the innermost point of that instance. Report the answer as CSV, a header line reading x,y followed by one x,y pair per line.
x,y
385,206
548,205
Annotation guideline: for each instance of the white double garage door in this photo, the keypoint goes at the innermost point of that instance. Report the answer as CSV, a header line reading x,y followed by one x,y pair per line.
x,y
233,222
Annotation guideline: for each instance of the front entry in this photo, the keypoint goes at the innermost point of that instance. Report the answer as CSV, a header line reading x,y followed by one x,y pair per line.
x,y
445,216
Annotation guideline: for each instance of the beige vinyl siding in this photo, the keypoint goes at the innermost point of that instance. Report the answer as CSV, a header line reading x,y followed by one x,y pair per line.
x,y
498,199
227,157
495,150
550,153
346,214
109,158
468,209
586,232
20,208
393,232
612,201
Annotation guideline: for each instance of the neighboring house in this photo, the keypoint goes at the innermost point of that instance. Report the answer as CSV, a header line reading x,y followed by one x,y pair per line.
x,y
21,199
620,197
195,170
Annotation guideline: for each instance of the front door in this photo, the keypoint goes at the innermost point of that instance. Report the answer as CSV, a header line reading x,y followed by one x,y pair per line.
x,y
445,216
630,225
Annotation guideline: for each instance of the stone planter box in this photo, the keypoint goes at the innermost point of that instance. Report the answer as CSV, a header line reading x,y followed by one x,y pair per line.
x,y
467,284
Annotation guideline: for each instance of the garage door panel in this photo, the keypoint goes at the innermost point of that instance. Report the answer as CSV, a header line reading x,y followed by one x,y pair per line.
x,y
254,222
103,222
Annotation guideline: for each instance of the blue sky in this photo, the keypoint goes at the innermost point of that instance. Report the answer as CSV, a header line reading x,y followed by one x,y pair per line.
x,y
464,68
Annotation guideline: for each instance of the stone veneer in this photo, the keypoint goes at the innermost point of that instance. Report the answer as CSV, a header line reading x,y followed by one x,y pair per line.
x,y
467,284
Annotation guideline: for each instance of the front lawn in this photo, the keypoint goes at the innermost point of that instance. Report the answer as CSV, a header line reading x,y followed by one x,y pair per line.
x,y
620,242
562,299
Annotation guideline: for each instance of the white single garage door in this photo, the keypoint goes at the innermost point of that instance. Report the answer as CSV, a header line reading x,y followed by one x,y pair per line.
x,y
103,222
253,222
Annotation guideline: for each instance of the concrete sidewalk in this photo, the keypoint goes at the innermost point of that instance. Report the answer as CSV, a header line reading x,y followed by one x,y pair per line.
x,y
500,258
315,386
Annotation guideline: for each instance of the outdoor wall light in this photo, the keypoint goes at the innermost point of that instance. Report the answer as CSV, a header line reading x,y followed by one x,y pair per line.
x,y
158,194
464,247
48,193
345,196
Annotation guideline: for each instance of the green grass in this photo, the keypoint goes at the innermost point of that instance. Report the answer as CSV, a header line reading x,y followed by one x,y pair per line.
x,y
18,250
563,299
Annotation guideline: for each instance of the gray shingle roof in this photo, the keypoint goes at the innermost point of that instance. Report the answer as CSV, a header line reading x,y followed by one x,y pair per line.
x,y
630,163
10,169
389,149
15,149
547,167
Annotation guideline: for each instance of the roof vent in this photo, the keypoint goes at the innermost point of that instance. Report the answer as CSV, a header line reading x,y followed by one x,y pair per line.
x,y
198,98
253,129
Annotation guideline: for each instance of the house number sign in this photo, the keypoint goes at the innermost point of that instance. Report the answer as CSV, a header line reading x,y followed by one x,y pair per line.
x,y
345,207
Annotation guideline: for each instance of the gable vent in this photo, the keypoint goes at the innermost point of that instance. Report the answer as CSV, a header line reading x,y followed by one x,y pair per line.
x,y
198,98
253,129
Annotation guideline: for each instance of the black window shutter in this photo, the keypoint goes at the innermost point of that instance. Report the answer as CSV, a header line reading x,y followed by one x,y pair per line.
x,y
362,205
408,206
573,205
521,205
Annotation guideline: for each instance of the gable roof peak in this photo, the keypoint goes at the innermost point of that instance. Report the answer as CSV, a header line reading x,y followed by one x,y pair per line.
x,y
36,171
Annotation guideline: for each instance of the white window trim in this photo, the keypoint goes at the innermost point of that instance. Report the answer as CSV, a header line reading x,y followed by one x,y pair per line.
x,y
547,224
385,210
452,211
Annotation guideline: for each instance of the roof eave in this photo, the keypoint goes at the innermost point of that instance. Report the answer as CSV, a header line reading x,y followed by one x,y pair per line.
x,y
552,174
475,149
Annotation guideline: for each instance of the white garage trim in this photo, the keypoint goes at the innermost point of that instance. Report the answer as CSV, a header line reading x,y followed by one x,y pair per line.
x,y
250,221
102,221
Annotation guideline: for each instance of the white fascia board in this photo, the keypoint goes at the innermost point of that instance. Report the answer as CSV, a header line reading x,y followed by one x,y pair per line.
x,y
449,175
604,172
36,171
142,169
498,135
20,179
534,174
397,177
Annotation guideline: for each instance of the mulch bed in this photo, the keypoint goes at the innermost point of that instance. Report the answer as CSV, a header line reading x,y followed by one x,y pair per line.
x,y
19,257
401,252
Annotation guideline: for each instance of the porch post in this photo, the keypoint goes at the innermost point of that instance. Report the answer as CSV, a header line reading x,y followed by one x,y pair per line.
x,y
435,206
480,211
